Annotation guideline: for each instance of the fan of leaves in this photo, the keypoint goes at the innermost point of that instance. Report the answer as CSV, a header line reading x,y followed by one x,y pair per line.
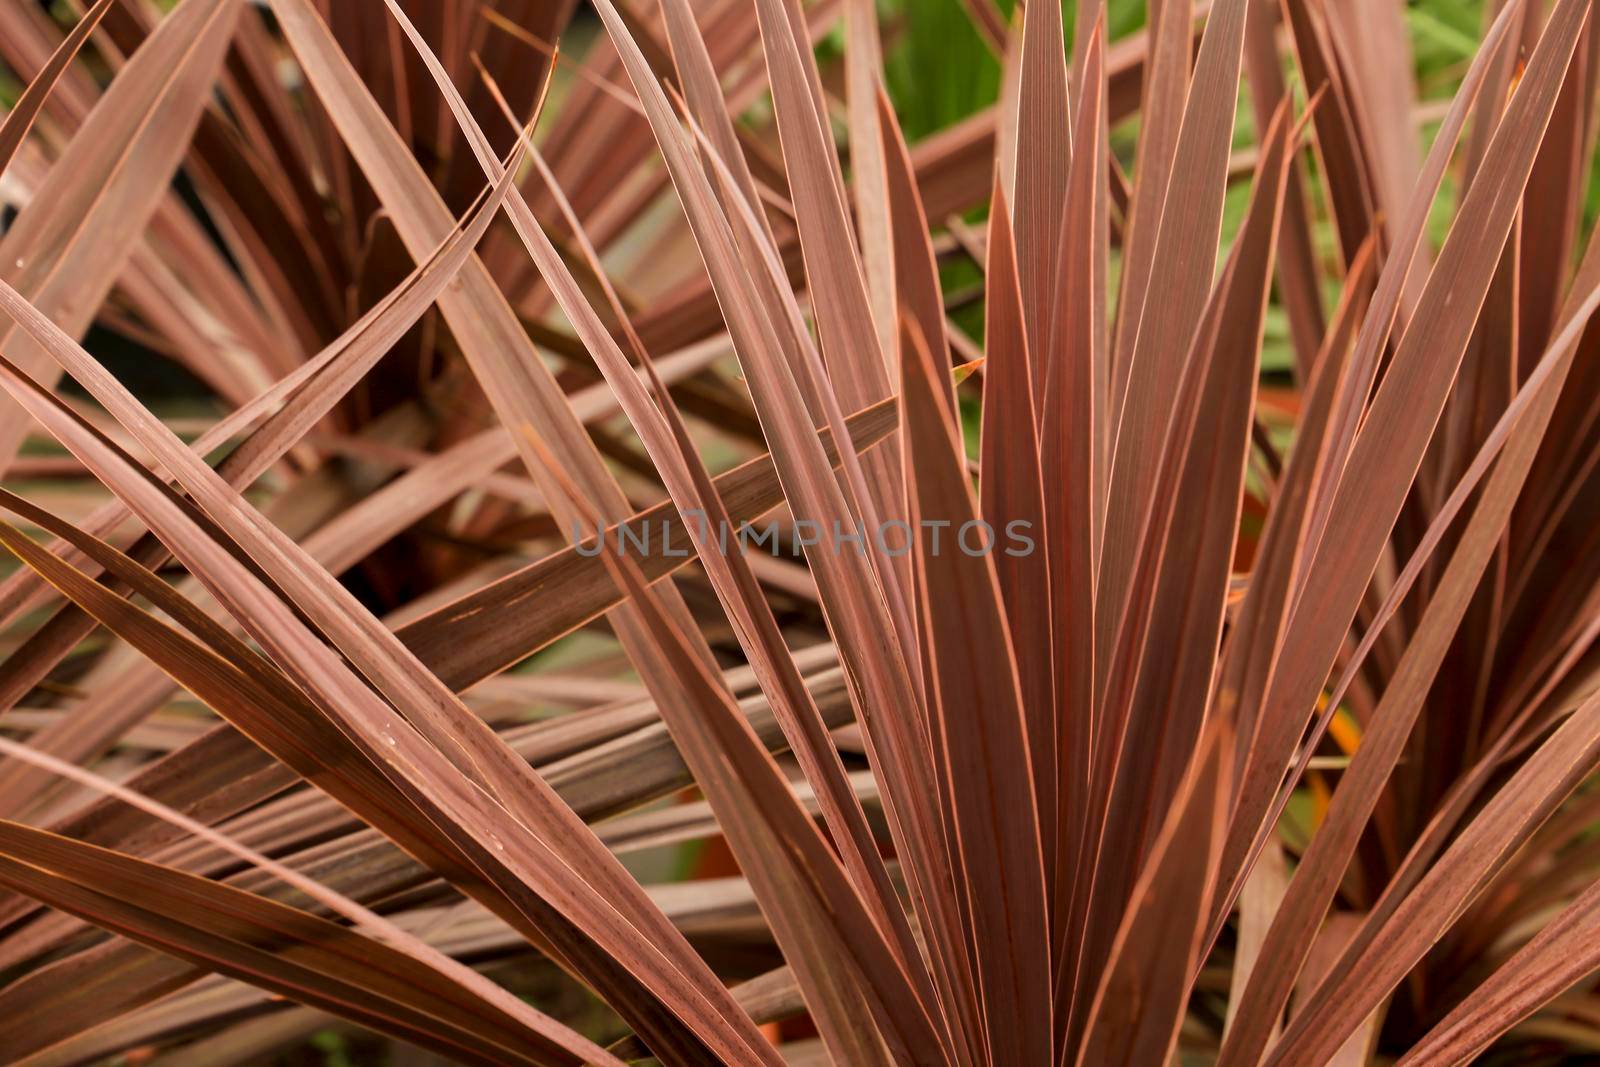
x,y
345,339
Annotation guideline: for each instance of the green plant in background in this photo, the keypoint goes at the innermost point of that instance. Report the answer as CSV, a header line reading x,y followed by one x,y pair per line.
x,y
937,68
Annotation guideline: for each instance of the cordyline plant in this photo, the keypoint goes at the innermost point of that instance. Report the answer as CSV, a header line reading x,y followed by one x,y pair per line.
x,y
1200,711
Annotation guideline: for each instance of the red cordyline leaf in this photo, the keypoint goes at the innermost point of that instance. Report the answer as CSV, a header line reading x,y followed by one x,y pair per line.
x,y
380,726
489,629
1044,160
1136,1011
325,380
1073,460
1299,274
1376,470
847,335
1331,422
868,178
1567,757
976,714
736,584
887,700
803,933
65,250
1179,614
278,417
1184,257
232,679
1165,84
491,1007
809,902
1012,492
1257,628
1514,442
1560,957
279,948
916,270
21,117
1349,189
